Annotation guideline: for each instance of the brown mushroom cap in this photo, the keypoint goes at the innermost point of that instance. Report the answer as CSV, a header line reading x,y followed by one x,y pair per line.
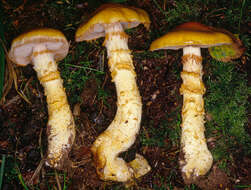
x,y
128,17
22,46
191,34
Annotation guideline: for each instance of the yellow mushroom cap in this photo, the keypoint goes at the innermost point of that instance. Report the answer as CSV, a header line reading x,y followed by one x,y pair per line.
x,y
22,46
128,17
191,34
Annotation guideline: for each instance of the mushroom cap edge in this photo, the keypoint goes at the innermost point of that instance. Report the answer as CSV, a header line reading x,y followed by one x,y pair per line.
x,y
192,34
22,46
129,17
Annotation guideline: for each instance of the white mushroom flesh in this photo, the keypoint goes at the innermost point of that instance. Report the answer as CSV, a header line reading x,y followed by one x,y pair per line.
x,y
196,159
122,132
61,127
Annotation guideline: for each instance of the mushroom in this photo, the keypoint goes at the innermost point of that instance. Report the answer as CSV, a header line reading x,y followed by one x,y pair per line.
x,y
195,158
43,47
110,20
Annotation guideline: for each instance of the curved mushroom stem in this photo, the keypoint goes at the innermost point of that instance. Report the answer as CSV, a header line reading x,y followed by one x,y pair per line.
x,y
121,133
60,127
196,160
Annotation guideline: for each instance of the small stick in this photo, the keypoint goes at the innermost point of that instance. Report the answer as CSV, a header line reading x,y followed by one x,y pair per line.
x,y
57,179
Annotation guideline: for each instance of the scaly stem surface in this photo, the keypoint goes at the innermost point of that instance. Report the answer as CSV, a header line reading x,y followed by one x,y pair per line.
x,y
196,159
121,133
60,127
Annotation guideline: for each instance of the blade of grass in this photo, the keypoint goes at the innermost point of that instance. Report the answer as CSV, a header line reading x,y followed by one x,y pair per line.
x,y
20,177
2,170
83,67
65,187
241,13
242,186
2,61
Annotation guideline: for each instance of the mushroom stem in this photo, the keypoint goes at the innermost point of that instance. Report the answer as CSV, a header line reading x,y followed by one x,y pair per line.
x,y
121,133
60,127
196,159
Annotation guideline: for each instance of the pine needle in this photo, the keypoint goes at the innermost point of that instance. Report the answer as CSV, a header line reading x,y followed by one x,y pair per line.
x,y
10,77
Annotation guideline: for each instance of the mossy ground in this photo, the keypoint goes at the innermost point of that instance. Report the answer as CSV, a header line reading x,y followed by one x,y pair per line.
x,y
93,99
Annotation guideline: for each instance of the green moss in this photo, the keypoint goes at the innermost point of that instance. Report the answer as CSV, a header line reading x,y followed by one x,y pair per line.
x,y
76,74
226,102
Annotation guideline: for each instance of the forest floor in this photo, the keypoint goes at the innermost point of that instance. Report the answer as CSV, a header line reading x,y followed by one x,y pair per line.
x,y
92,96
